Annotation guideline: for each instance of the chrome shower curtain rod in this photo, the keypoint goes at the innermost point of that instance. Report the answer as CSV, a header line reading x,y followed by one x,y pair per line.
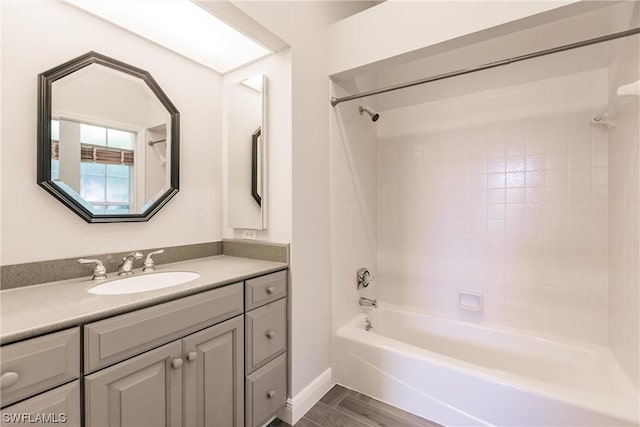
x,y
336,101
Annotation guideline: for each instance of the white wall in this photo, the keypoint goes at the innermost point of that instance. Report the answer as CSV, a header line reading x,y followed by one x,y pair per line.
x,y
624,204
394,28
37,36
303,25
277,68
1,127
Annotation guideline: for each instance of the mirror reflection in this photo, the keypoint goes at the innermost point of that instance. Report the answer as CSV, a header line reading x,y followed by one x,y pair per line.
x,y
110,141
256,174
246,107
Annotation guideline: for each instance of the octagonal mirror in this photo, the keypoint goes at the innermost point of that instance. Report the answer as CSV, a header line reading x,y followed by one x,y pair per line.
x,y
108,139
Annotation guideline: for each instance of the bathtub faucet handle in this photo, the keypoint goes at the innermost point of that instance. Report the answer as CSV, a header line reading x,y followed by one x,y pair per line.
x,y
367,324
364,278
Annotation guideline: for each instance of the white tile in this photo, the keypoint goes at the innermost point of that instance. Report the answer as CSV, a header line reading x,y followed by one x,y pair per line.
x,y
535,162
515,164
515,179
517,206
580,159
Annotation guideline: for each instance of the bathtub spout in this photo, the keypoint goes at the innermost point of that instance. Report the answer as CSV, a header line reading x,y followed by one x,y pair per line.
x,y
366,302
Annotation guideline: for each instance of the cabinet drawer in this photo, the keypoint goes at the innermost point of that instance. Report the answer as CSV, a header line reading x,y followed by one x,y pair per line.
x,y
265,289
38,364
112,340
58,407
266,333
266,391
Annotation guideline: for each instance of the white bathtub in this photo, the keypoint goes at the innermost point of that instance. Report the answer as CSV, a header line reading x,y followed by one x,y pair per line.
x,y
462,374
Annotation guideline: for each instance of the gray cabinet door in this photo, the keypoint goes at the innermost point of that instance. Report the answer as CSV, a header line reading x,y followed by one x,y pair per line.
x,y
57,407
214,376
145,390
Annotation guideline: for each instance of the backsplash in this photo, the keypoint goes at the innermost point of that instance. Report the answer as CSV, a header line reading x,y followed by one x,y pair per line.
x,y
32,273
502,192
18,275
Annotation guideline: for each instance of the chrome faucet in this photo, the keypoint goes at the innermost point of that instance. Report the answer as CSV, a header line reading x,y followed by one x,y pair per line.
x,y
367,324
126,268
149,265
366,302
99,271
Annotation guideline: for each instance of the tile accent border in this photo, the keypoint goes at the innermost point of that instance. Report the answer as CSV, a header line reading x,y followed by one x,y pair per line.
x,y
299,404
278,252
32,273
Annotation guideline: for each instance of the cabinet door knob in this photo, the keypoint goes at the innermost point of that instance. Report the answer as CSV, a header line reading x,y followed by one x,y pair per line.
x,y
271,393
8,379
191,356
271,289
176,363
271,333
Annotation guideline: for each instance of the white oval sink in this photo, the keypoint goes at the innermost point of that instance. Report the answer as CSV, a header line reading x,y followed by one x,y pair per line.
x,y
144,283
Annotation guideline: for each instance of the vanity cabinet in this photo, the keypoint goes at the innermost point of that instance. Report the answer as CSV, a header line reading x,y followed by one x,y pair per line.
x,y
38,364
265,347
217,358
60,406
42,364
167,386
116,338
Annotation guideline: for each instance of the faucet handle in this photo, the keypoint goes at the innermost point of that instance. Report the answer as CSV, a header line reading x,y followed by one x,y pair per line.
x,y
148,262
134,255
99,271
364,278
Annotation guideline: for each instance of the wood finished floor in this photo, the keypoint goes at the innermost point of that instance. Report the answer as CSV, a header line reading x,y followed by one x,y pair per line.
x,y
342,407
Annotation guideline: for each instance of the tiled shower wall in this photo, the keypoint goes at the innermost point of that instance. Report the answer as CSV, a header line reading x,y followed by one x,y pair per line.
x,y
624,214
353,207
502,192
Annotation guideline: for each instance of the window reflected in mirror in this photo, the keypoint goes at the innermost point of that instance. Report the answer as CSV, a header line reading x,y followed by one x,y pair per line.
x,y
103,173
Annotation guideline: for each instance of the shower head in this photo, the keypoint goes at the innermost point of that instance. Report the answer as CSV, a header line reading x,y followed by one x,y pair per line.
x,y
374,116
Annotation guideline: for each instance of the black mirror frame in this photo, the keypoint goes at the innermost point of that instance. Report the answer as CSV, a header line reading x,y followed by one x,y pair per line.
x,y
254,166
45,81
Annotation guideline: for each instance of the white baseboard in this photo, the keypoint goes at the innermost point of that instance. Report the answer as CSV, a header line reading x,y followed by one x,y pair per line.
x,y
299,404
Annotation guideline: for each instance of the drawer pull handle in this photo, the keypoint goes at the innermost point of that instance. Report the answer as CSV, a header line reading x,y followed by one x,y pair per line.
x,y
271,289
271,393
271,333
8,379
191,356
176,363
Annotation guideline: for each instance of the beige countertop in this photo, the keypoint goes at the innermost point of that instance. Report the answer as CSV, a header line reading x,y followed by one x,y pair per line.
x,y
39,309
